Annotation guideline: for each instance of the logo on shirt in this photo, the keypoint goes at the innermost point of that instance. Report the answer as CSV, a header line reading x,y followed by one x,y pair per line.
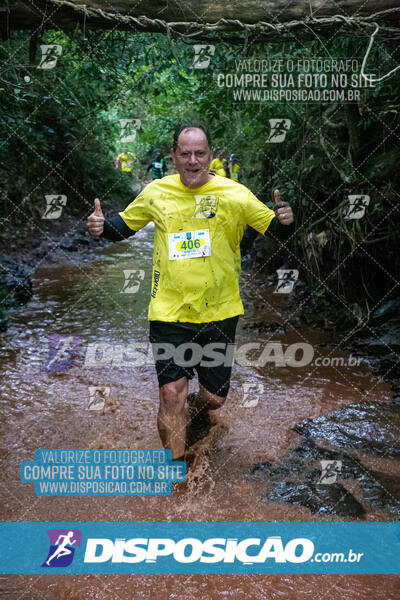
x,y
61,551
156,279
206,206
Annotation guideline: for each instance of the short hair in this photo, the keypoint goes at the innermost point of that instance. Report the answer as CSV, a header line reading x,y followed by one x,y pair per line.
x,y
191,125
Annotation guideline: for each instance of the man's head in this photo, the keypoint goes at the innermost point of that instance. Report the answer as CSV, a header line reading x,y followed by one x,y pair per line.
x,y
158,155
192,153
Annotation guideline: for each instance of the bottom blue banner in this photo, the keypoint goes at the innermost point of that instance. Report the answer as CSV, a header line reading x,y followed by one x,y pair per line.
x,y
200,548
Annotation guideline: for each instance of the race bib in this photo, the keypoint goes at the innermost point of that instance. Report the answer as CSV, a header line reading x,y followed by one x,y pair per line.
x,y
189,244
157,165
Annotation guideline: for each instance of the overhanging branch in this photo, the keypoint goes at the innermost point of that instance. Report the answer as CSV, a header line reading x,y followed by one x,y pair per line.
x,y
66,14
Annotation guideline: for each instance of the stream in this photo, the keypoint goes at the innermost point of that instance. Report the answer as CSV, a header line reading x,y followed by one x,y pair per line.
x,y
240,467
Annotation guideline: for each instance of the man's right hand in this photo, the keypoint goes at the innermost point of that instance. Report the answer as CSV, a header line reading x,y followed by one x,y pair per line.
x,y
95,221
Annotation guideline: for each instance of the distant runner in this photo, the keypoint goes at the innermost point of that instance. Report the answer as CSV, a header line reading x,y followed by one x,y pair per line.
x,y
217,163
199,221
224,171
234,167
158,166
126,160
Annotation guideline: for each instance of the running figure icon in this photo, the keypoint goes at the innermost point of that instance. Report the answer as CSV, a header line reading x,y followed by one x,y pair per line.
x,y
62,549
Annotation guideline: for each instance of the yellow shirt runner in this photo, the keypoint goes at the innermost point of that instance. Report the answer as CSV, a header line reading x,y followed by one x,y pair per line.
x,y
216,164
234,171
126,159
196,260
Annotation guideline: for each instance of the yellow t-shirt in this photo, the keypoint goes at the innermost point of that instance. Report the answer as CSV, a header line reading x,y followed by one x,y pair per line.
x,y
221,172
216,164
204,288
127,159
234,171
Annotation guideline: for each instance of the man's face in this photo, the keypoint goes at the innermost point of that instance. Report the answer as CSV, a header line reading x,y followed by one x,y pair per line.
x,y
192,157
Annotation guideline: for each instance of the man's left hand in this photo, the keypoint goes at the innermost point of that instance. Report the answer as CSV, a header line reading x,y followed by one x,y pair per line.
x,y
283,210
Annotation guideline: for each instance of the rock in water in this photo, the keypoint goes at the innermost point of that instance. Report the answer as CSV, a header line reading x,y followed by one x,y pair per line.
x,y
295,479
371,427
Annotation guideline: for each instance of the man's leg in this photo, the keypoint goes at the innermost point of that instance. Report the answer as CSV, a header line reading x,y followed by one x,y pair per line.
x,y
214,379
200,405
171,419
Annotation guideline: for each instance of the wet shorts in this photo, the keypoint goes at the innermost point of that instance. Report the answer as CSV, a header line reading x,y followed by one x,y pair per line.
x,y
179,349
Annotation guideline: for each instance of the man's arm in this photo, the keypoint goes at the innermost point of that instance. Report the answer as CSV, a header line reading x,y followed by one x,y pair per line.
x,y
278,231
115,229
282,225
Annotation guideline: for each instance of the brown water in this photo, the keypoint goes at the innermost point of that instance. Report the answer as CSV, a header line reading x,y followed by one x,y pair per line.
x,y
49,410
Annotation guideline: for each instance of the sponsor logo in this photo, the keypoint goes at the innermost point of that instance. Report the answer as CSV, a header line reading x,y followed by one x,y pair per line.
x,y
206,206
156,279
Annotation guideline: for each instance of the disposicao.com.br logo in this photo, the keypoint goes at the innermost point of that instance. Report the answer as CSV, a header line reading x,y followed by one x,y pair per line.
x,y
247,551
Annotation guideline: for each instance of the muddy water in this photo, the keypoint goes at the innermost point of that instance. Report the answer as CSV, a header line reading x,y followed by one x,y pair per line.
x,y
42,409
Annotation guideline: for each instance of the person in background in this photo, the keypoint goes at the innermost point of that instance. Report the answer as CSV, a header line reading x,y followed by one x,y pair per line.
x,y
224,171
158,167
234,167
125,161
217,163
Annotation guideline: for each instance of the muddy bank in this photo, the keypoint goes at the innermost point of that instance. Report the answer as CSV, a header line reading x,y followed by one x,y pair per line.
x,y
38,244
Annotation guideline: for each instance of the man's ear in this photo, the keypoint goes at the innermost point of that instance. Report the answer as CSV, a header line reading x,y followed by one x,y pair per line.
x,y
172,152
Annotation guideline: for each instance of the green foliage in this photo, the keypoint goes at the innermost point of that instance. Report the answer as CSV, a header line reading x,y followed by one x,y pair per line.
x,y
60,133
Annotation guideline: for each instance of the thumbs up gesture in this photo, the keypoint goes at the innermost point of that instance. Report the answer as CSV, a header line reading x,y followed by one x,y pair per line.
x,y
95,221
283,210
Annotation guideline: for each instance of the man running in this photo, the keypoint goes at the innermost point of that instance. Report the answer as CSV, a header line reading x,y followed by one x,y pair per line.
x,y
234,168
199,221
125,161
224,171
217,163
158,167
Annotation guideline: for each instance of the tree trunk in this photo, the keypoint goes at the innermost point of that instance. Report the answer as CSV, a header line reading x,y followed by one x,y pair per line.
x,y
280,17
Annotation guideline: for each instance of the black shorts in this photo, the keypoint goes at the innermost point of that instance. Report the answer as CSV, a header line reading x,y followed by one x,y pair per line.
x,y
179,349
